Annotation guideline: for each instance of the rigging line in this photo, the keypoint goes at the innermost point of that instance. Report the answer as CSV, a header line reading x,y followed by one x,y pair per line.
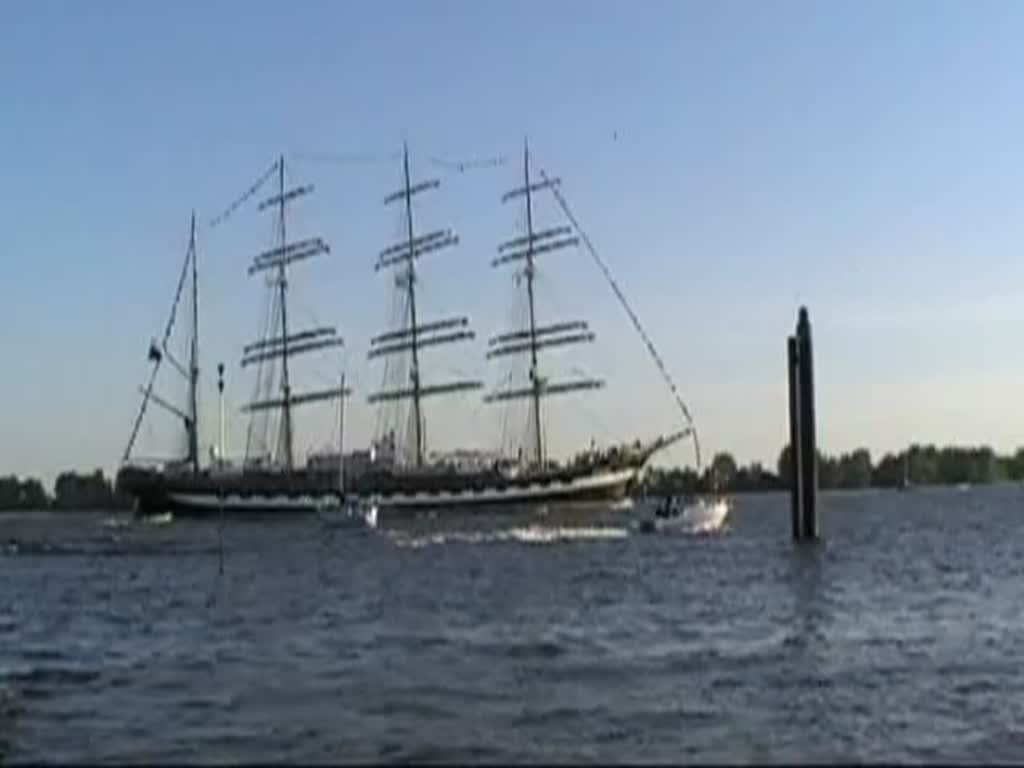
x,y
330,158
163,345
387,413
515,318
264,372
468,165
632,316
141,413
227,212
258,374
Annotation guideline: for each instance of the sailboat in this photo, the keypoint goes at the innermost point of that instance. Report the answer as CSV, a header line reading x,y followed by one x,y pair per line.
x,y
268,480
533,477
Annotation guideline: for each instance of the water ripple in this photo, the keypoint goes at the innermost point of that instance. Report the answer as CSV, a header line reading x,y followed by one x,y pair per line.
x,y
896,639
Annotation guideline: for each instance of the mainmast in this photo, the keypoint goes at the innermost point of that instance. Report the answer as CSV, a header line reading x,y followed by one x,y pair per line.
x,y
193,433
288,344
413,330
282,282
534,378
537,337
416,335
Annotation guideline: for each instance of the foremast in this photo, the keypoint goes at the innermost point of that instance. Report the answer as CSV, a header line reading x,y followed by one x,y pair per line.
x,y
289,343
158,352
537,337
416,335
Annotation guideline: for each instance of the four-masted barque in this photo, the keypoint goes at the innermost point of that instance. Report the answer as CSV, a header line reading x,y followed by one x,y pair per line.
x,y
411,479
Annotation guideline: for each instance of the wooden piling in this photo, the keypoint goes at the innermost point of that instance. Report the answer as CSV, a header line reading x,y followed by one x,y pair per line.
x,y
808,430
803,449
795,475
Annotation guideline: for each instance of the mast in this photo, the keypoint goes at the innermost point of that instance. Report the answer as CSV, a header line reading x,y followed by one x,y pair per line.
x,y
193,443
414,337
220,398
537,337
341,441
159,352
288,344
282,281
411,287
534,376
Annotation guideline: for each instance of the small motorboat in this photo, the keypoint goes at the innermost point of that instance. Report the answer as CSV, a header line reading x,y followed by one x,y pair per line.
x,y
351,512
688,516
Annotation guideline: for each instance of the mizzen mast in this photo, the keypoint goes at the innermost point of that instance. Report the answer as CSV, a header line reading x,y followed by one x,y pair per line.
x,y
288,344
415,336
536,337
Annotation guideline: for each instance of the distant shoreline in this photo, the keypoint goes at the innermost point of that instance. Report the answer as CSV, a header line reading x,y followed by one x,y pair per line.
x,y
924,466
916,466
636,496
72,492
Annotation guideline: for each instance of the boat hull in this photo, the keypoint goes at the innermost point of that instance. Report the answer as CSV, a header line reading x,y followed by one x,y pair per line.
x,y
290,496
607,485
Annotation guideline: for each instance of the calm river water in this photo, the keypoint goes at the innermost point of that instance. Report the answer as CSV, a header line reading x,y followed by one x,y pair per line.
x,y
899,637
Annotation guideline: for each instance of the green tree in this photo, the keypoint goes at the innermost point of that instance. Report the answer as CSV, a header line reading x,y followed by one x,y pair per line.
x,y
722,471
1015,466
74,491
854,469
22,494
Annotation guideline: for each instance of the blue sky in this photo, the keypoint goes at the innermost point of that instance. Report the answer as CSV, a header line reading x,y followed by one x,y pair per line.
x,y
730,160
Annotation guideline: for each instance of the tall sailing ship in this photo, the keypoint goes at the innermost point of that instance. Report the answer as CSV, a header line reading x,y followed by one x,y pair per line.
x,y
401,473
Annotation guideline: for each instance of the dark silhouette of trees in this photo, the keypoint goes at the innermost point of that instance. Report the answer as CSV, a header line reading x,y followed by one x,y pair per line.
x,y
22,494
83,492
72,492
918,465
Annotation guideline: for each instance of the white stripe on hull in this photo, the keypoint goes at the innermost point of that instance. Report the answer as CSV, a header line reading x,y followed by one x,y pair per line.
x,y
553,491
512,495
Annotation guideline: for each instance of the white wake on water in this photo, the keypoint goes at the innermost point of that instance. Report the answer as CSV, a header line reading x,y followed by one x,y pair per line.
x,y
707,516
164,519
703,516
700,517
531,534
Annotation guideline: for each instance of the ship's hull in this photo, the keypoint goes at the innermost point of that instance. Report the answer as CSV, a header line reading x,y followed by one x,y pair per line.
x,y
600,485
292,495
589,478
276,494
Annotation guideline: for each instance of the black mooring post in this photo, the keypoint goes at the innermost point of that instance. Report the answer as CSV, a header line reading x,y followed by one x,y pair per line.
x,y
795,474
808,434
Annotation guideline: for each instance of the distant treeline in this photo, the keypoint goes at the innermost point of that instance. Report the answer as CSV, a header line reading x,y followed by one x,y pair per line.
x,y
71,491
918,465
